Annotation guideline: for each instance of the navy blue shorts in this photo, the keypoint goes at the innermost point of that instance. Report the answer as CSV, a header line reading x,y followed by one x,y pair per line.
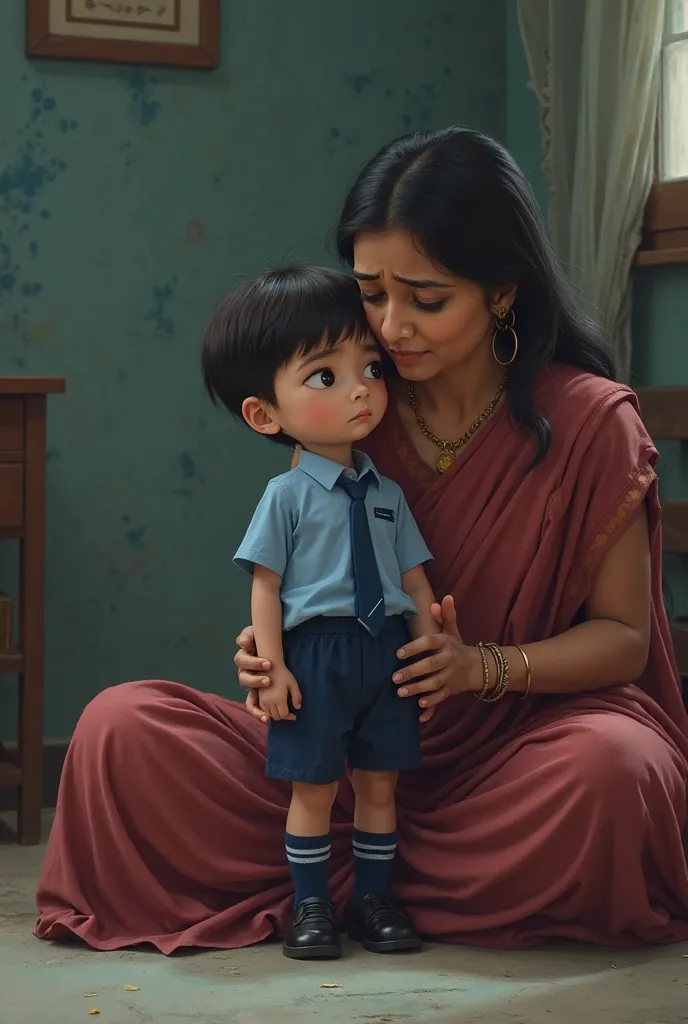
x,y
351,711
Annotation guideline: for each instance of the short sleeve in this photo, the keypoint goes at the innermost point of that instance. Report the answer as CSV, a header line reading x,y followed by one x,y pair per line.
x,y
269,538
410,548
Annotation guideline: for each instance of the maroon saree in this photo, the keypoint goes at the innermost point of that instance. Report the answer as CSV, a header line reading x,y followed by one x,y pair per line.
x,y
558,816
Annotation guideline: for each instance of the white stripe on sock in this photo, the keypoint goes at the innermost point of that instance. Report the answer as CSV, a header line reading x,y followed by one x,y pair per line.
x,y
372,846
307,860
373,856
310,853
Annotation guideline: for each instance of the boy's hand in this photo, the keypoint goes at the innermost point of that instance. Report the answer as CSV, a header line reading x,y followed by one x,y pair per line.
x,y
274,699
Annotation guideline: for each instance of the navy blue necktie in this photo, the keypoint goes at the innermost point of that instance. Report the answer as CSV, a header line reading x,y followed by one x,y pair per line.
x,y
370,602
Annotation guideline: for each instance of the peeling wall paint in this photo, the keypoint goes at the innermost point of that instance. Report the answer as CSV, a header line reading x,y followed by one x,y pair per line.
x,y
130,199
143,107
159,312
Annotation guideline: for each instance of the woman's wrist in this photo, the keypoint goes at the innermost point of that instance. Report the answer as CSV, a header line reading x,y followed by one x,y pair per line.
x,y
517,669
476,670
476,674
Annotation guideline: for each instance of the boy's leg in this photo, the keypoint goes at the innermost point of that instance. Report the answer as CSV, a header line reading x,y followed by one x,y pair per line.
x,y
311,748
312,933
307,839
324,655
385,741
375,836
373,918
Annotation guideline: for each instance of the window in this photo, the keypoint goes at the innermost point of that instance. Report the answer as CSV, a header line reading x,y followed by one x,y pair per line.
x,y
673,150
666,218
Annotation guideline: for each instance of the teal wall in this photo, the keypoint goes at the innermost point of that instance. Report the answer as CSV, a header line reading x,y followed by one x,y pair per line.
x,y
130,198
660,299
522,120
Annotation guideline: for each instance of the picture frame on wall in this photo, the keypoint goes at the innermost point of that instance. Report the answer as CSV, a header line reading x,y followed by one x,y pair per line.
x,y
178,33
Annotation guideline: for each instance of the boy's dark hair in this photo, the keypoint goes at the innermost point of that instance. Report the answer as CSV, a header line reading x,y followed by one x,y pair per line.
x,y
263,323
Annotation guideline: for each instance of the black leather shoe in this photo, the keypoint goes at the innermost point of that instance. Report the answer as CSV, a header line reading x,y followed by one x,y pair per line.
x,y
312,934
381,927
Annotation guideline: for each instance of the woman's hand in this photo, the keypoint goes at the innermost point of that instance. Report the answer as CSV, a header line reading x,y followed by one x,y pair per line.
x,y
451,668
252,673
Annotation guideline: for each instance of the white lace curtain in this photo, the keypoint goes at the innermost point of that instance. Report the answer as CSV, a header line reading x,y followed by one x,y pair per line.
x,y
594,67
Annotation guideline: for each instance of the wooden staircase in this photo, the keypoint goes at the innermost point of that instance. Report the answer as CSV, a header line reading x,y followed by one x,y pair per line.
x,y
665,414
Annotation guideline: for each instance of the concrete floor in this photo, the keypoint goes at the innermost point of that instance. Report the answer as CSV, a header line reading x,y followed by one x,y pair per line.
x,y
61,983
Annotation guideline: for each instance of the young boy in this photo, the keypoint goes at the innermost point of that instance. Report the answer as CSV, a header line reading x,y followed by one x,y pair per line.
x,y
338,585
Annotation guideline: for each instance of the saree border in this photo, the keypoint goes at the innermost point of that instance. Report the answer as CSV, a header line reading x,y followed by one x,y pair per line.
x,y
609,529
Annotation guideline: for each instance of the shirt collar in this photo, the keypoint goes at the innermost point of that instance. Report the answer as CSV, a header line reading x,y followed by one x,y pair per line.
x,y
327,472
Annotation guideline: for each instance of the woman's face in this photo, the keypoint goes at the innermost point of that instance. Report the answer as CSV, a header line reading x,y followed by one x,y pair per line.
x,y
427,319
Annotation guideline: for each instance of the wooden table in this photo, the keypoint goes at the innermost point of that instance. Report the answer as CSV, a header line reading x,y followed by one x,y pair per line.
x,y
22,517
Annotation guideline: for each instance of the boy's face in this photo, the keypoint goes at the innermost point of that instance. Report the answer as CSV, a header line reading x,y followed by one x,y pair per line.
x,y
328,399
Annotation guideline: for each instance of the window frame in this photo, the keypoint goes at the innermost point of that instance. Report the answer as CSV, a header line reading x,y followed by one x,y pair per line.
x,y
665,226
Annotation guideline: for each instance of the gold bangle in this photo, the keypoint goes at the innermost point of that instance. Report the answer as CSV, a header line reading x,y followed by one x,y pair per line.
x,y
529,677
481,694
491,694
502,664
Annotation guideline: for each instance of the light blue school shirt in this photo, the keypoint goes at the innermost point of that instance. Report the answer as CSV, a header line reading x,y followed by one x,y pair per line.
x,y
301,530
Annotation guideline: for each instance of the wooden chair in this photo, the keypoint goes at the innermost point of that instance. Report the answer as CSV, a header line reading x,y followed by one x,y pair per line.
x,y
665,414
22,519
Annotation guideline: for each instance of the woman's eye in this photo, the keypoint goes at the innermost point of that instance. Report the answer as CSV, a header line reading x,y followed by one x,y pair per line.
x,y
377,298
373,370
430,307
320,379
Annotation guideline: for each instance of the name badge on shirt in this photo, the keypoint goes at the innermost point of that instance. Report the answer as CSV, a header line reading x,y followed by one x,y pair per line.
x,y
384,513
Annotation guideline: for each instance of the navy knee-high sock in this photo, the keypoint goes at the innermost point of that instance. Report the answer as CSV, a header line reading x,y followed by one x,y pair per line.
x,y
309,863
373,858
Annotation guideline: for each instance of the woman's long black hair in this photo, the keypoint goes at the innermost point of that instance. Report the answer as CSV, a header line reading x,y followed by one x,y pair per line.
x,y
461,195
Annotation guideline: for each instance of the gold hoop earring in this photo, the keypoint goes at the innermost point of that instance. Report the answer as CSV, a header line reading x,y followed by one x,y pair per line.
x,y
503,324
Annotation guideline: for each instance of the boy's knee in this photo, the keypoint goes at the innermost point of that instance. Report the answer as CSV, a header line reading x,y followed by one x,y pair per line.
x,y
316,797
375,788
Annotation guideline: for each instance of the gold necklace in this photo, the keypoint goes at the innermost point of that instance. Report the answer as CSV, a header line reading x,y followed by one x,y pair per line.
x,y
450,449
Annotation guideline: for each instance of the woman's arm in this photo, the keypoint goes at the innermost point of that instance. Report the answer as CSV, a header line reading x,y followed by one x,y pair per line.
x,y
611,646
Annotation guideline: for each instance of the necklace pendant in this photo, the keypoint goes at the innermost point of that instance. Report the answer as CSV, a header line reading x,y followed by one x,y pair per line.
x,y
445,459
